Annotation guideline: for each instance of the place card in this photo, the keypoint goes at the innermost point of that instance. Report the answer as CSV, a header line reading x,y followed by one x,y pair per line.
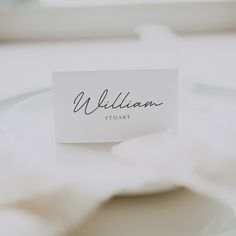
x,y
113,106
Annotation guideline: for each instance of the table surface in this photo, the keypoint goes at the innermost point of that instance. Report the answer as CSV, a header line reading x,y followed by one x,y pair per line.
x,y
176,213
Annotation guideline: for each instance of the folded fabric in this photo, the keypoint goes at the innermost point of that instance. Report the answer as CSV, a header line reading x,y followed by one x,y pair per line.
x,y
200,156
48,196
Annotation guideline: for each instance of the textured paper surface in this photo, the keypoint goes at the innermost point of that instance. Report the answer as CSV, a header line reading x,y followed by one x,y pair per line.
x,y
112,106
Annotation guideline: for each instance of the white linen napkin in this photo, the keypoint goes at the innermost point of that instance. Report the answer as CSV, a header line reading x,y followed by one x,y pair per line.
x,y
48,197
200,157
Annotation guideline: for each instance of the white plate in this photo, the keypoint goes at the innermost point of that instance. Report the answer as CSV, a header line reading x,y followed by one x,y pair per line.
x,y
31,124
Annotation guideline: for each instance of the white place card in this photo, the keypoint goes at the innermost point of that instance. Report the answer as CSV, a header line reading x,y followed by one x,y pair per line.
x,y
112,106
